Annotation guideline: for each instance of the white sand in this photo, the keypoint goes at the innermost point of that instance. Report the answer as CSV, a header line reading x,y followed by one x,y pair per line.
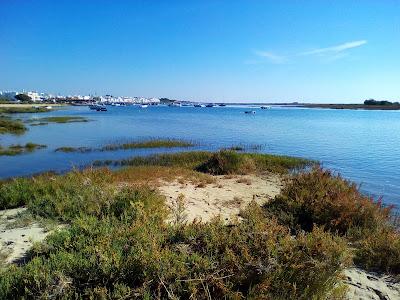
x,y
224,198
15,242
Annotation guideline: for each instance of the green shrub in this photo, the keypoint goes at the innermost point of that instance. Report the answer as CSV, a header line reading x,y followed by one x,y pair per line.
x,y
380,251
318,197
226,162
137,255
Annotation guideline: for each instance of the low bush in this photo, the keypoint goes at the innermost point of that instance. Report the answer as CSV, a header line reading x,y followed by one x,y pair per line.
x,y
379,251
319,197
135,254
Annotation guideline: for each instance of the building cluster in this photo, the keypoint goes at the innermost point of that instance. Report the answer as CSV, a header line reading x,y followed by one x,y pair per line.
x,y
128,100
38,97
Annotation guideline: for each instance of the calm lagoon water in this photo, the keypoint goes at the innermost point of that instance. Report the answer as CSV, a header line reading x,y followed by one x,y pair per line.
x,y
363,146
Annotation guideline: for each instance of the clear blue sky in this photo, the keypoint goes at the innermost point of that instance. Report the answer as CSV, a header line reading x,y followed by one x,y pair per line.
x,y
315,51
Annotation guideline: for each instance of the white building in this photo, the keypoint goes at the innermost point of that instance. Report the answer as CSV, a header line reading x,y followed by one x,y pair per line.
x,y
34,96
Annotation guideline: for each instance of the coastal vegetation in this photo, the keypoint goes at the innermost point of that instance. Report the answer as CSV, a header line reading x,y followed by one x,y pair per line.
x,y
22,109
20,149
370,104
379,102
150,143
6,101
119,243
245,147
11,126
222,162
60,119
319,198
68,149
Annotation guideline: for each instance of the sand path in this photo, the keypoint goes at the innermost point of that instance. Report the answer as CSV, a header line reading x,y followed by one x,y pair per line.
x,y
223,198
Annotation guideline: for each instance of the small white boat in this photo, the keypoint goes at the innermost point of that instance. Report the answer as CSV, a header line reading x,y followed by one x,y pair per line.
x,y
144,106
49,107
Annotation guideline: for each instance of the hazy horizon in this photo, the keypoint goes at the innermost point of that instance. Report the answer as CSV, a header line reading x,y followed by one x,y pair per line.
x,y
259,51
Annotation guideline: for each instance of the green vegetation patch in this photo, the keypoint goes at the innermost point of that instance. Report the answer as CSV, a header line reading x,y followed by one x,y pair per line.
x,y
62,119
73,149
245,147
11,126
119,244
18,110
20,149
219,163
320,198
152,143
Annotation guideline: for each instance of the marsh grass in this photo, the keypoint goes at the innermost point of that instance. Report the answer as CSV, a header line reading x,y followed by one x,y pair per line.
x,y
245,147
39,124
152,143
218,163
73,149
61,119
20,149
11,126
19,110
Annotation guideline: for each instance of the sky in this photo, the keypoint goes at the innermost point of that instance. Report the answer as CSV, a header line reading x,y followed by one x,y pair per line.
x,y
232,51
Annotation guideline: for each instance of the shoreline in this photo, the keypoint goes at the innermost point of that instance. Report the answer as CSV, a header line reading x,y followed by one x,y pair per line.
x,y
6,105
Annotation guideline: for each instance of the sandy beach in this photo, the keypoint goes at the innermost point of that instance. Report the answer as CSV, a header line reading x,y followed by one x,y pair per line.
x,y
16,240
224,198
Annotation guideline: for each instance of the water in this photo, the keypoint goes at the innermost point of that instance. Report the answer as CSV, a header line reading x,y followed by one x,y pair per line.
x,y
363,146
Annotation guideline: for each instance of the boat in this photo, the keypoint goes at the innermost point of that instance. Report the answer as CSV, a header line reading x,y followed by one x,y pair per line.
x,y
49,107
253,112
144,106
210,105
98,107
101,107
222,104
265,107
197,105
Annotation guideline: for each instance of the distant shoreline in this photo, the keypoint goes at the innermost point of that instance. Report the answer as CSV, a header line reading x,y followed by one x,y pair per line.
x,y
350,106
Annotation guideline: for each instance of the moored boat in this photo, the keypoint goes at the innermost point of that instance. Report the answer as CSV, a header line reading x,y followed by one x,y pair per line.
x,y
253,112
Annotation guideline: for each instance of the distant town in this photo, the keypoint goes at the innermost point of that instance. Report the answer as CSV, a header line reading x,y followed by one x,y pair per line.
x,y
34,96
